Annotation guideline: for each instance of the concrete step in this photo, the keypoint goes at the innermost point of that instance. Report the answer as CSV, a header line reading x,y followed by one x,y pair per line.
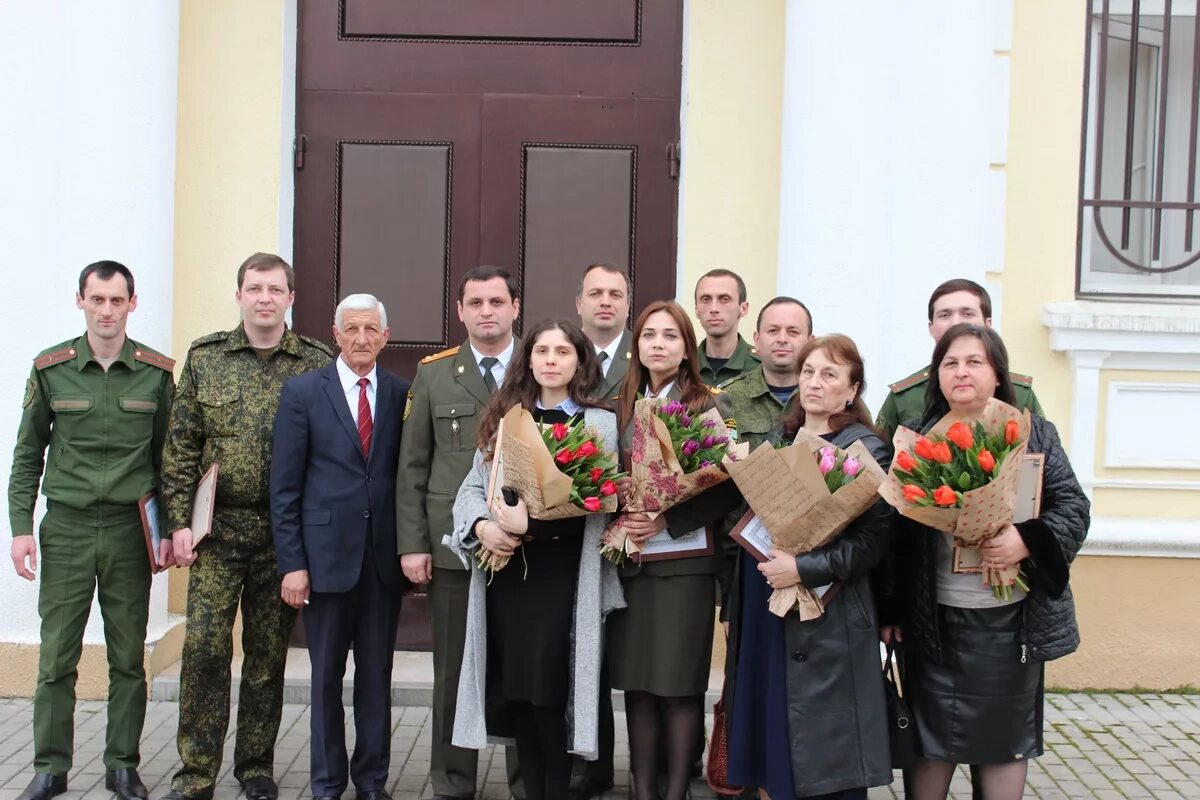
x,y
412,681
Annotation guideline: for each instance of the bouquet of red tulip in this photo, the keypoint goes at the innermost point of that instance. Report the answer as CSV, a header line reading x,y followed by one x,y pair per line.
x,y
804,494
675,456
559,470
961,478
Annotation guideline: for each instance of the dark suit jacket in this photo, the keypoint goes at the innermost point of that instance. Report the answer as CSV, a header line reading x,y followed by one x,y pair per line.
x,y
328,502
610,384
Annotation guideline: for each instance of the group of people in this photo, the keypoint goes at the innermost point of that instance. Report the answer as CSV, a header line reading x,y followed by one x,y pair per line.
x,y
341,484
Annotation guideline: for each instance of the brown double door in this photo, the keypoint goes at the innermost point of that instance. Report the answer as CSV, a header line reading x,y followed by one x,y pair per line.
x,y
437,135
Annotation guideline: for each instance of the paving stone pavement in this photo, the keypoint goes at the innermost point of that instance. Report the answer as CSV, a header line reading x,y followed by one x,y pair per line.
x,y
1097,746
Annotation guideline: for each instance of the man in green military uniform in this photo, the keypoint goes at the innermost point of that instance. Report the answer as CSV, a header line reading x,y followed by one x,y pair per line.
x,y
760,396
223,414
448,396
720,304
952,302
100,403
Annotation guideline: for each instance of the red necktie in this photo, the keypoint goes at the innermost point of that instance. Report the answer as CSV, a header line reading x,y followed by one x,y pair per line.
x,y
364,417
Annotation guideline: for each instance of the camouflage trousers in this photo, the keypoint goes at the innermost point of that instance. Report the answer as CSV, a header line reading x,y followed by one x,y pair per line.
x,y
231,566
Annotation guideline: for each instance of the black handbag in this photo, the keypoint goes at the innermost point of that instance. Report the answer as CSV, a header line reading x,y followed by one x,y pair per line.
x,y
902,733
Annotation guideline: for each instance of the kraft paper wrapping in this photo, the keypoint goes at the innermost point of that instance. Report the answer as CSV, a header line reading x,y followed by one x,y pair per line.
x,y
522,461
986,510
657,481
787,492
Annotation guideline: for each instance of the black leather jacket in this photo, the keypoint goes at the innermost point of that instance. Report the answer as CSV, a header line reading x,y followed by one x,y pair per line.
x,y
1049,630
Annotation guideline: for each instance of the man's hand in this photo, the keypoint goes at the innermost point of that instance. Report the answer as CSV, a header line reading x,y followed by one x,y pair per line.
x,y
166,554
639,527
1005,549
294,589
181,541
780,571
24,547
417,567
513,519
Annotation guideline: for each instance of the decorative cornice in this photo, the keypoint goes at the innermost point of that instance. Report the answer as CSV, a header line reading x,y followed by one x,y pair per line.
x,y
1084,315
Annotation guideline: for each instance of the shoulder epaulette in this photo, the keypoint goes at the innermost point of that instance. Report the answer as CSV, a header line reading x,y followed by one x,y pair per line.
x,y
912,380
217,336
713,389
453,351
54,357
1020,380
316,343
154,359
728,381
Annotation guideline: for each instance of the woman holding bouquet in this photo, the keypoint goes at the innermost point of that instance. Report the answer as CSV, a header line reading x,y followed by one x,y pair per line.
x,y
532,660
660,646
976,660
805,700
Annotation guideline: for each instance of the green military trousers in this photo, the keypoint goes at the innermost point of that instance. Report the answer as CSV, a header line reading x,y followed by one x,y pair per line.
x,y
236,563
83,550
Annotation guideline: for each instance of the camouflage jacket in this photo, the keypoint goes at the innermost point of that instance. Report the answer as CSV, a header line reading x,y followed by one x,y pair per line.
x,y
224,412
754,407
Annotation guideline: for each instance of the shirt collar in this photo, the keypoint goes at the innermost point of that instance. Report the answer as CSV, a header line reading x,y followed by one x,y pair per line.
x,y
503,357
349,377
567,406
666,390
83,353
237,340
612,348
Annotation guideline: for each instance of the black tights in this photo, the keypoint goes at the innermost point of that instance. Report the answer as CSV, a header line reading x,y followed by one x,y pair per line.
x,y
679,719
541,734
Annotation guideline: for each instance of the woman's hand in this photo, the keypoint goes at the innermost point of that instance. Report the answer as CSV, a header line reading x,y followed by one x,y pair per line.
x,y
1005,549
891,633
495,539
513,519
780,571
639,527
623,484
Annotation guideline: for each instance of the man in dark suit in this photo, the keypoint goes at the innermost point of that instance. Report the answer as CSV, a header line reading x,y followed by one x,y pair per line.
x,y
333,514
602,301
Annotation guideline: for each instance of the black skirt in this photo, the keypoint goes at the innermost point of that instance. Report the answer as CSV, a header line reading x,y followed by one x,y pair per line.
x,y
979,704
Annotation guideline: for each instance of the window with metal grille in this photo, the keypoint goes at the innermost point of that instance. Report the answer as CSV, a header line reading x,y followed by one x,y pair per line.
x,y
1139,231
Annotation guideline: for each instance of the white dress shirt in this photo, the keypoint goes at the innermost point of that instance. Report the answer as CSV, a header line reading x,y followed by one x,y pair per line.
x,y
499,369
349,379
663,392
612,349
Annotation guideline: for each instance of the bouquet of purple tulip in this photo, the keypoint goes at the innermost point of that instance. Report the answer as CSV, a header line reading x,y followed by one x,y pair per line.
x,y
697,442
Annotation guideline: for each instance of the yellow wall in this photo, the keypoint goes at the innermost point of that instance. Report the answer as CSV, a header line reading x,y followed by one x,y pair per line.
x,y
1042,175
729,199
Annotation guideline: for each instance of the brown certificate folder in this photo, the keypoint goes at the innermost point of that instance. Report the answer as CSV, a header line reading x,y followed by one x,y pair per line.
x,y
152,525
203,503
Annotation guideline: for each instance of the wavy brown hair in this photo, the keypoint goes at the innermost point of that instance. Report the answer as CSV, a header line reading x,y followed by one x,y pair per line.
x,y
692,391
520,387
839,349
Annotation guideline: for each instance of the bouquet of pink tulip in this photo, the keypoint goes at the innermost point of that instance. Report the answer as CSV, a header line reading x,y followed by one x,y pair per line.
x,y
838,467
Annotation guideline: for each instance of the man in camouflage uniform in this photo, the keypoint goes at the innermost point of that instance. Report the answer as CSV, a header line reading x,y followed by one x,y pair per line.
x,y
100,404
224,412
952,302
720,304
449,395
760,396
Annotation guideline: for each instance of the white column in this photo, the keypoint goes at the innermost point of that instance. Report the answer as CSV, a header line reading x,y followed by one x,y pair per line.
x,y
1085,410
88,136
892,115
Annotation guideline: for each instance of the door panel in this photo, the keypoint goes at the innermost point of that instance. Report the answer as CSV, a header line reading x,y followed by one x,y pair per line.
x,y
481,20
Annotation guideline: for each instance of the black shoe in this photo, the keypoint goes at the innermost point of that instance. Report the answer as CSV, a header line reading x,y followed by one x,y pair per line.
x,y
175,794
377,794
326,797
126,784
585,788
44,786
263,788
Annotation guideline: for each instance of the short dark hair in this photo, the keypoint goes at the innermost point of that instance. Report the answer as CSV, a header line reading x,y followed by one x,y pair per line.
x,y
962,285
265,262
607,267
782,300
936,404
486,273
724,273
105,270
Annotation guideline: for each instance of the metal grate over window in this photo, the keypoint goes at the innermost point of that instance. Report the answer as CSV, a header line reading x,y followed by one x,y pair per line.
x,y
1138,225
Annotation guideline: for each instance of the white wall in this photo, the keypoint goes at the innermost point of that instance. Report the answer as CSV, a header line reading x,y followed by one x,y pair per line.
x,y
893,114
87,137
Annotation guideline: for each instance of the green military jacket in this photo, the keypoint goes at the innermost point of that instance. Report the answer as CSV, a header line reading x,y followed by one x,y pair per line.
x,y
224,412
104,430
754,407
610,384
906,401
446,401
744,359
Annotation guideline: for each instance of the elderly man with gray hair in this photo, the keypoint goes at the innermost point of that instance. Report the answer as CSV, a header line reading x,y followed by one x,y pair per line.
x,y
333,514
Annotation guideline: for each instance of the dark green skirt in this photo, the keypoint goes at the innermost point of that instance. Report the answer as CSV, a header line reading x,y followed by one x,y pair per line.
x,y
662,642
